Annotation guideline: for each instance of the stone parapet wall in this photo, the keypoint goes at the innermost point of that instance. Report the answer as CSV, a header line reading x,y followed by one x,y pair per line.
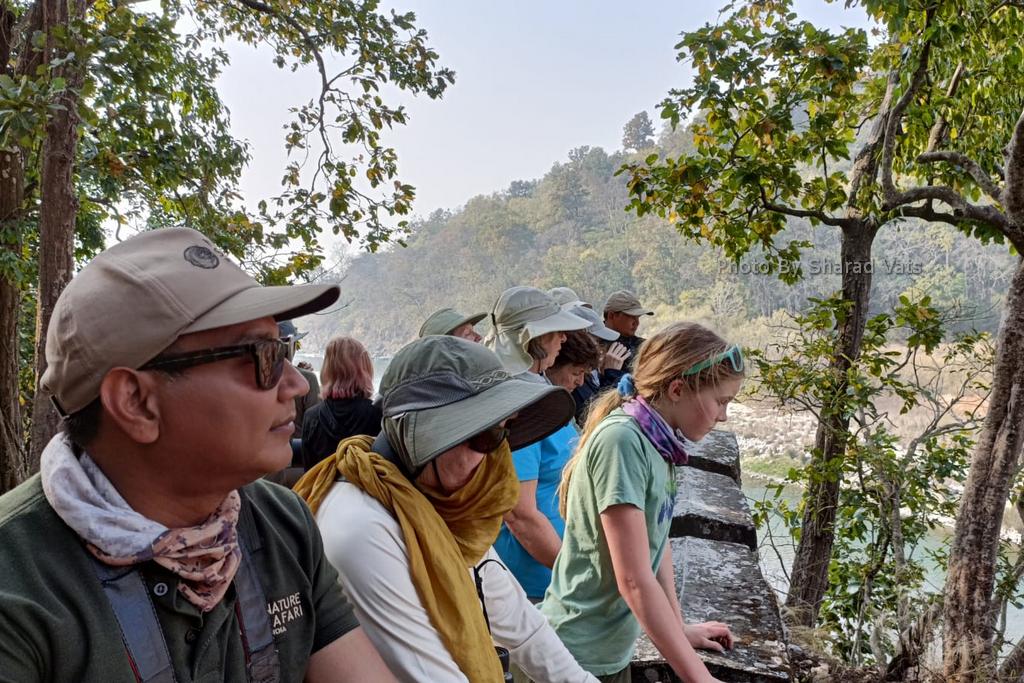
x,y
714,551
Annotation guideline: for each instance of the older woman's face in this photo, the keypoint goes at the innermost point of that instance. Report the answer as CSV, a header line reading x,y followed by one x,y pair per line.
x,y
569,376
456,466
552,343
466,331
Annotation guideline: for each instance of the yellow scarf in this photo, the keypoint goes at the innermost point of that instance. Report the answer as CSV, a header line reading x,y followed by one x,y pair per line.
x,y
444,535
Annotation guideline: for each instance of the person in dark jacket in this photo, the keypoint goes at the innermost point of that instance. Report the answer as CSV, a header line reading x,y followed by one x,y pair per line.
x,y
345,410
622,313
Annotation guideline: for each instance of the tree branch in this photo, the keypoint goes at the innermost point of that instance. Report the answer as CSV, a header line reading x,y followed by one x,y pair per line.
x,y
801,213
865,165
310,44
968,164
938,131
889,192
963,211
1013,194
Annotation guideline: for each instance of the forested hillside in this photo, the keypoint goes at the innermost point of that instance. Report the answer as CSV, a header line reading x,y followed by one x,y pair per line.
x,y
571,228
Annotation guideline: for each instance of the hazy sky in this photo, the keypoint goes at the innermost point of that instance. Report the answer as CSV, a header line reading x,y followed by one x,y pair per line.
x,y
534,79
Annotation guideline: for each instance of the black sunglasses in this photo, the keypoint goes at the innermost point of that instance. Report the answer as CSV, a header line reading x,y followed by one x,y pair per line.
x,y
489,439
268,356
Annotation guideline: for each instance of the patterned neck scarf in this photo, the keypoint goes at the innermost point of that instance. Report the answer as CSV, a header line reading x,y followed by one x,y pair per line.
x,y
656,429
205,556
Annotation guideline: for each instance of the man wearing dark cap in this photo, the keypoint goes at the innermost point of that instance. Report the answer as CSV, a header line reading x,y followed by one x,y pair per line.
x,y
290,334
448,321
147,549
622,313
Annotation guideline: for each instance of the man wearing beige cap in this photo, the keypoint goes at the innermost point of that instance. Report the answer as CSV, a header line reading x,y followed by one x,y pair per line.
x,y
622,313
448,321
147,549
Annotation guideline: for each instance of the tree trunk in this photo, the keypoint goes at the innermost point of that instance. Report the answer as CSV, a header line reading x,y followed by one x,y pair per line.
x,y
809,576
969,617
58,208
13,468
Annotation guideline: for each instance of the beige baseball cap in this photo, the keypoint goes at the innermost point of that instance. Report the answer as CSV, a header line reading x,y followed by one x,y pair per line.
x,y
624,301
136,298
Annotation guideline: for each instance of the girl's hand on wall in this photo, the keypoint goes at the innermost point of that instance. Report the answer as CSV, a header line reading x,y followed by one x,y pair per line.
x,y
710,635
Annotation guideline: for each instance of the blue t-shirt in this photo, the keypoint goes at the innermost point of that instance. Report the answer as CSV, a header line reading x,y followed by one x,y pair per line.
x,y
544,462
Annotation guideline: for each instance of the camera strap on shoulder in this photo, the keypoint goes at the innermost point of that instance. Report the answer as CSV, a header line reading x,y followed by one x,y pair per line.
x,y
503,654
479,580
144,638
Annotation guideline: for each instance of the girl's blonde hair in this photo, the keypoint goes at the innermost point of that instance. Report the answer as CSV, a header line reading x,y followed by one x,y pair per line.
x,y
660,360
347,371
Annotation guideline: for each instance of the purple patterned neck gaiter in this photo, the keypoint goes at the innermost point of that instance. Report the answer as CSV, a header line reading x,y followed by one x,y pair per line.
x,y
656,429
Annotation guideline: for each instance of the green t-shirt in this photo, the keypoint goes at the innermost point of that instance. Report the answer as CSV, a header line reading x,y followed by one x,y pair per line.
x,y
57,625
619,465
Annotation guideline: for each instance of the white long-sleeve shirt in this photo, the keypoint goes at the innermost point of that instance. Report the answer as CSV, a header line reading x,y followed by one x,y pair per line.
x,y
364,542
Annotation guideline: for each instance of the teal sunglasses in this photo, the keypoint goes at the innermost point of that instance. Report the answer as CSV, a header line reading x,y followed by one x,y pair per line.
x,y
733,354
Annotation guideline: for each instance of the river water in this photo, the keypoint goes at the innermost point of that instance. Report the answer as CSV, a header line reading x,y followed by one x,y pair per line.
x,y
776,552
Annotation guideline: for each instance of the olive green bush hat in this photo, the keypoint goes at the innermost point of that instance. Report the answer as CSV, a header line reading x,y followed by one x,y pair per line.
x,y
521,314
439,391
447,320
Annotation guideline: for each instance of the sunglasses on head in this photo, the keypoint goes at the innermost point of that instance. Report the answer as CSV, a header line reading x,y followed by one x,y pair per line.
x,y
268,357
489,439
733,354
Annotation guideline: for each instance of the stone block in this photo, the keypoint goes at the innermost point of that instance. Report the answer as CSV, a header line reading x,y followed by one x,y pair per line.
x,y
720,581
711,506
717,452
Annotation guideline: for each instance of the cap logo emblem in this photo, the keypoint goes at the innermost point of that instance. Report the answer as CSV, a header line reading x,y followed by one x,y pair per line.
x,y
202,257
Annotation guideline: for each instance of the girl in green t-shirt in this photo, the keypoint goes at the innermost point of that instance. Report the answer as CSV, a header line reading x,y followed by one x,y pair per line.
x,y
614,573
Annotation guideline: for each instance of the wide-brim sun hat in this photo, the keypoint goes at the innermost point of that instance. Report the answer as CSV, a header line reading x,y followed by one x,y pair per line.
x,y
439,391
564,295
447,320
522,314
597,326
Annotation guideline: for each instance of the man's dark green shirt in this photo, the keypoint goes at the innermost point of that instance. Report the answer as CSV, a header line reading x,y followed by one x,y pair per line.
x,y
57,625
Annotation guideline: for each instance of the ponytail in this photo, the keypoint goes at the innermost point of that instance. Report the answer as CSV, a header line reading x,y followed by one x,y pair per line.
x,y
602,406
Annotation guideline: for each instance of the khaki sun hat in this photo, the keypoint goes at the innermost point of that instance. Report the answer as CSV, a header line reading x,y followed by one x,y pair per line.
x,y
597,327
439,391
136,298
521,314
446,320
564,295
624,301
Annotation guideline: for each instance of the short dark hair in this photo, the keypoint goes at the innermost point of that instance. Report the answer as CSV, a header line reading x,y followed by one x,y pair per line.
x,y
579,348
82,426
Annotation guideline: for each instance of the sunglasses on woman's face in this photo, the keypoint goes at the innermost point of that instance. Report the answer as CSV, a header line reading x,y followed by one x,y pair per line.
x,y
733,355
268,357
489,439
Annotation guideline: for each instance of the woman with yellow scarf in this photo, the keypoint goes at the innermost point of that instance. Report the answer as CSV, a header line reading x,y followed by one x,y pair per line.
x,y
408,519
